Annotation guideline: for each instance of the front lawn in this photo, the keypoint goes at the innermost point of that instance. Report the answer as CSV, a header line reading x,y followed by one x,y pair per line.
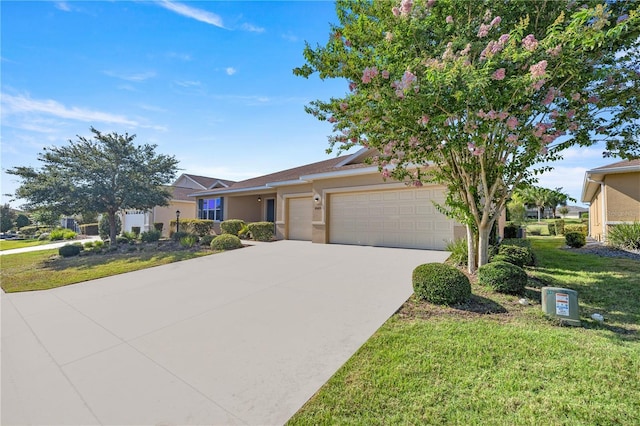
x,y
14,244
41,270
495,361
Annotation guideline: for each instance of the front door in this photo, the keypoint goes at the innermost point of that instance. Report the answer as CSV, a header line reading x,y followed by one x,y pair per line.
x,y
271,210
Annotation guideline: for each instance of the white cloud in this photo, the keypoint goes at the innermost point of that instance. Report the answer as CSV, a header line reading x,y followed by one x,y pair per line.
x,y
188,83
192,12
290,37
24,104
136,77
230,70
63,5
252,28
180,56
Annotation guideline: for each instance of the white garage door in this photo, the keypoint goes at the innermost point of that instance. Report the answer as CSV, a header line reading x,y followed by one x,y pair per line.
x,y
300,216
400,218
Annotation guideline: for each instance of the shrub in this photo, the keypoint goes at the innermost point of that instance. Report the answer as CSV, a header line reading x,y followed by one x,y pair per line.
x,y
89,229
226,242
188,241
581,228
203,227
88,244
103,227
575,239
551,226
459,252
29,231
98,244
158,226
150,236
135,230
516,255
232,226
625,236
503,277
206,240
559,226
261,231
130,236
62,234
441,284
177,236
69,250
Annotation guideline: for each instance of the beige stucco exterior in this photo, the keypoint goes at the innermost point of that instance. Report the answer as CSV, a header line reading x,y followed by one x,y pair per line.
x,y
166,214
613,195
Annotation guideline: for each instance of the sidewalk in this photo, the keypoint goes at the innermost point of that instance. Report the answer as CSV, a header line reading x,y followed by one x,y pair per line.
x,y
48,246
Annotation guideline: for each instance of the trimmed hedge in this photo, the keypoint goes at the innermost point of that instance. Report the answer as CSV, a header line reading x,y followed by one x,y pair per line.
x,y
583,229
232,226
441,284
261,231
520,242
200,227
575,239
519,256
226,242
503,277
150,236
69,250
511,231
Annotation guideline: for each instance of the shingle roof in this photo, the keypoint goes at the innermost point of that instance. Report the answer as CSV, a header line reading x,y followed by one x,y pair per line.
x,y
330,165
180,193
624,163
208,181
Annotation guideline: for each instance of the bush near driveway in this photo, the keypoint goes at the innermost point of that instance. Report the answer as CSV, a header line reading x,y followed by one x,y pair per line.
x,y
226,242
503,277
441,284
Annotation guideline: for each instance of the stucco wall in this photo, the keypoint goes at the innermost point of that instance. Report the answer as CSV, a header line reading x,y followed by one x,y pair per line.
x,y
595,216
246,207
168,213
623,197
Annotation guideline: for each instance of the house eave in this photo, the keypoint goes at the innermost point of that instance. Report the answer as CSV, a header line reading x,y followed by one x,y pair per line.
x,y
341,173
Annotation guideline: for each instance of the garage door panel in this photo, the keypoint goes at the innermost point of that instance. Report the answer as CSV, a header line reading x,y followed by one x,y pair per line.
x,y
300,217
399,218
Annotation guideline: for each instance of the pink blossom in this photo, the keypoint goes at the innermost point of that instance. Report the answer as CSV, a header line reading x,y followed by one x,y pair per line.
x,y
484,30
549,97
347,43
396,11
492,115
368,74
417,183
413,141
466,50
530,43
471,146
430,3
405,7
504,38
499,74
478,151
352,86
503,115
400,93
343,106
385,173
547,139
512,123
496,21
449,19
544,150
571,113
481,114
385,74
448,53
332,119
538,84
575,96
424,120
573,126
540,129
554,114
593,99
538,70
512,138
555,51
388,36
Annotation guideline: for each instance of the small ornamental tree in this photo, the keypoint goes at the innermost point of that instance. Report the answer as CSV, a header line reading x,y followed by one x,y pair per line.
x,y
104,173
473,95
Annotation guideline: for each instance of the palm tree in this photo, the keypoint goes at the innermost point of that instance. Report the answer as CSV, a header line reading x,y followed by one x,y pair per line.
x,y
557,198
535,196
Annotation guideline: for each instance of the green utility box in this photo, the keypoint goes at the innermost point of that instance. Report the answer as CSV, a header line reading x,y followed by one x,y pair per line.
x,y
561,303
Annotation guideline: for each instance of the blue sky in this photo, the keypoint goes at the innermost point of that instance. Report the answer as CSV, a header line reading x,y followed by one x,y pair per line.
x,y
209,82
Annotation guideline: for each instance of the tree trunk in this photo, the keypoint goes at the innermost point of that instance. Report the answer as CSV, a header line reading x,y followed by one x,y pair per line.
x,y
471,250
483,244
112,227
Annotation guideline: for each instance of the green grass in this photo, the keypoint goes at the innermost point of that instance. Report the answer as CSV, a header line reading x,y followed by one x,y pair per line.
x,y
41,270
14,244
494,361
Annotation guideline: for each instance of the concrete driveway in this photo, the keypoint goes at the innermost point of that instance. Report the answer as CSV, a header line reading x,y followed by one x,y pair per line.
x,y
241,337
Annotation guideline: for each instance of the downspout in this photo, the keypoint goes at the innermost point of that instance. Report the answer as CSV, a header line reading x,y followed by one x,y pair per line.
x,y
604,209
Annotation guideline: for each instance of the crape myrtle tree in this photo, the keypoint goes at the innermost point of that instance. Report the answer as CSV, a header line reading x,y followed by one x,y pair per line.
x,y
104,173
474,94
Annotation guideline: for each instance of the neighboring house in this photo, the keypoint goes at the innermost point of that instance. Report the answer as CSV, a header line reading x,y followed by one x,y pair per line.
x,y
179,201
575,212
613,194
342,200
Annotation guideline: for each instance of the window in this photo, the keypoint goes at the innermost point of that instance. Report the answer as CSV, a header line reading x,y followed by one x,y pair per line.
x,y
210,208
